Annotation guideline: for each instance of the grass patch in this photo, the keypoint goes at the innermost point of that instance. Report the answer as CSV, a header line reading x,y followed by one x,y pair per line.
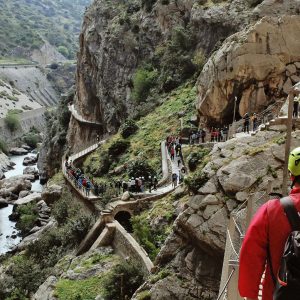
x,y
86,289
145,142
152,237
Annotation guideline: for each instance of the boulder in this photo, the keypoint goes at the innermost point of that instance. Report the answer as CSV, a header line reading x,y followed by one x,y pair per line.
x,y
125,196
26,147
208,188
3,203
29,160
30,198
18,151
14,185
23,194
46,291
31,171
51,194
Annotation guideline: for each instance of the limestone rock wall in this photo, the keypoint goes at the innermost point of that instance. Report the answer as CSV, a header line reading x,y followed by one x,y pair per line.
x,y
118,37
257,65
193,252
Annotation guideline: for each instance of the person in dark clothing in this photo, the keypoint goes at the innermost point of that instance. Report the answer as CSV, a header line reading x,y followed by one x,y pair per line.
x,y
174,180
255,121
155,182
179,162
246,123
203,135
124,186
296,107
225,133
150,183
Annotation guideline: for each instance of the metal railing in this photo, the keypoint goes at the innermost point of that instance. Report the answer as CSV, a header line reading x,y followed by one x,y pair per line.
x,y
263,117
238,223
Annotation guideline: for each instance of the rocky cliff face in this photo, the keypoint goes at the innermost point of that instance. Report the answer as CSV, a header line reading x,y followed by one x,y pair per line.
x,y
193,252
119,37
258,66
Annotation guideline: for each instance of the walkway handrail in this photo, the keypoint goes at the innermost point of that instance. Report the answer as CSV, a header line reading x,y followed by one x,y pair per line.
x,y
226,284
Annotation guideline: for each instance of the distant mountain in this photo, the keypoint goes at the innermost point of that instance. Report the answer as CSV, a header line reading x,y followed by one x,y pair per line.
x,y
25,26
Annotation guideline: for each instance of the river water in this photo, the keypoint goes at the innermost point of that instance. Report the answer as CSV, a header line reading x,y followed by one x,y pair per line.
x,y
7,228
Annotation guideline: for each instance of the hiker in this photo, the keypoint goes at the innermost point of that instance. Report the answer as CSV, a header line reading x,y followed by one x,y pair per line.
x,y
179,162
155,183
88,188
172,151
264,243
246,122
181,176
150,183
225,133
296,106
124,186
254,121
174,180
202,135
98,139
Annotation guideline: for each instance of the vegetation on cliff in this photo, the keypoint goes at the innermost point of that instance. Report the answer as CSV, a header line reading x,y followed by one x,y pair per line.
x,y
24,25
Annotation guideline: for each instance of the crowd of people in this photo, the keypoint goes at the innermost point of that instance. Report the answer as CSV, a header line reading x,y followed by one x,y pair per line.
x,y
174,146
81,181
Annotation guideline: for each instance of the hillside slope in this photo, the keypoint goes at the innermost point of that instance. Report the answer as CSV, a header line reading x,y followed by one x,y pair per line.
x,y
24,26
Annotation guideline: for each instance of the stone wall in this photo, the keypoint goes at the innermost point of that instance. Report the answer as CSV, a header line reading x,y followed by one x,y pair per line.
x,y
127,247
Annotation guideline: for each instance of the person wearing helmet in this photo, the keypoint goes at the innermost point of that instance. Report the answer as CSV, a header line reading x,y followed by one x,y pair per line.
x,y
265,238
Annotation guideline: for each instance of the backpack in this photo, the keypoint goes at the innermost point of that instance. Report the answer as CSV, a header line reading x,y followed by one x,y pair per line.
x,y
287,281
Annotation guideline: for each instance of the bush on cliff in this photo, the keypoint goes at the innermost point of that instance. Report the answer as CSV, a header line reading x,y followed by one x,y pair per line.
x,y
143,81
140,168
128,128
195,181
12,121
148,4
124,279
195,158
3,147
118,147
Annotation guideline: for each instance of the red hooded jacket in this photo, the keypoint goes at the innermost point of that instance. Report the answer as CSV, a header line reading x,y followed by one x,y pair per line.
x,y
268,224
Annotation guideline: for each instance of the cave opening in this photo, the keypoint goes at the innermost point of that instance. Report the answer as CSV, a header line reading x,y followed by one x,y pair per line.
x,y
124,218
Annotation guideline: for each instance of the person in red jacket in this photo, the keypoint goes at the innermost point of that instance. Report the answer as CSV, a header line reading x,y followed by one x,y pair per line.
x,y
268,229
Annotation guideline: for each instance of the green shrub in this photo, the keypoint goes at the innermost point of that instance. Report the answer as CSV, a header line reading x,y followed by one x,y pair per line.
x,y
144,235
148,4
199,60
140,168
12,121
118,147
60,211
31,139
77,229
3,147
128,128
144,295
27,274
124,279
143,81
28,217
195,181
195,158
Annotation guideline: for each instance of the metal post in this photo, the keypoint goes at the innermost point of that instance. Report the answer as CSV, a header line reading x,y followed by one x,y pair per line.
x,y
249,211
227,255
287,143
235,100
233,292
